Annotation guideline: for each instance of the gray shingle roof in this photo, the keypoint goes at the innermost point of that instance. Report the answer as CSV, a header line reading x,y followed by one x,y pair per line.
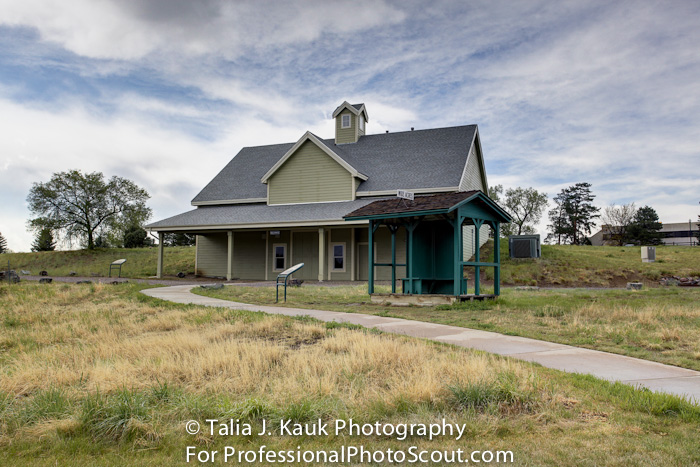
x,y
241,214
407,160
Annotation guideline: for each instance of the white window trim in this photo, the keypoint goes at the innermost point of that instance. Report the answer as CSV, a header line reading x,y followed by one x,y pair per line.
x,y
342,121
274,256
362,122
332,256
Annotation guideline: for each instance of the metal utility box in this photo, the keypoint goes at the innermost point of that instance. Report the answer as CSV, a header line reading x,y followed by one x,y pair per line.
x,y
524,246
648,254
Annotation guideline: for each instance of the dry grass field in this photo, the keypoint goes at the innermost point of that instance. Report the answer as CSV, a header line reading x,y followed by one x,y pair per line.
x,y
103,375
660,324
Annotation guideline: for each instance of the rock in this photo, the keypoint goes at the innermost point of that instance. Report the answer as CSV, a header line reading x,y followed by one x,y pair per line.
x,y
181,275
45,280
43,273
118,282
72,273
634,286
212,286
670,281
84,282
25,272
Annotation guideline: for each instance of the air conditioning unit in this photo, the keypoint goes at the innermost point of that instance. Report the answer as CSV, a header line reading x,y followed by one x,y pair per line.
x,y
648,254
524,246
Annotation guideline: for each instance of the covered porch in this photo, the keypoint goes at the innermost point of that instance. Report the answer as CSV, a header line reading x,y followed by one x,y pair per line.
x,y
330,252
435,246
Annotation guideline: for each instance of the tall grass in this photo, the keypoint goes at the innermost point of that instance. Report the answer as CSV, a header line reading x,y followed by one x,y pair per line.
x,y
104,376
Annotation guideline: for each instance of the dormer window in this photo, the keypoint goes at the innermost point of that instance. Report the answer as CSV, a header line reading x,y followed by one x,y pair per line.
x,y
345,121
362,123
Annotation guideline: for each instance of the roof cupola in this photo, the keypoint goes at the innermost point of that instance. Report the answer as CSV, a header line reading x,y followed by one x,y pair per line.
x,y
350,122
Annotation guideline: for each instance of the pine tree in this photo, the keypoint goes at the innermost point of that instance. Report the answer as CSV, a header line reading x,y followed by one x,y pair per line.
x,y
573,216
3,244
44,241
645,227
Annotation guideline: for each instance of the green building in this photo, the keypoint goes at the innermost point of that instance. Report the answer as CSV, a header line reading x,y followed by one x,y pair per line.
x,y
274,206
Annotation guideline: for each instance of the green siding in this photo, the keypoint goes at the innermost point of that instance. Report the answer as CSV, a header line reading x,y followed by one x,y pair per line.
x,y
473,179
248,255
309,175
468,237
305,250
211,255
281,239
340,236
345,135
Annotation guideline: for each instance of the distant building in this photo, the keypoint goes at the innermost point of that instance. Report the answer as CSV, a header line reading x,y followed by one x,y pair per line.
x,y
680,233
603,237
677,233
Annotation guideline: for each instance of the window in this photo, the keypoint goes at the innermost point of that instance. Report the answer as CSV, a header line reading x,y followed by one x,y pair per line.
x,y
279,257
338,257
362,123
345,121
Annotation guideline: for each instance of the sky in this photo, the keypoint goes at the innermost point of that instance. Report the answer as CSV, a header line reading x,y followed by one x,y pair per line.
x,y
166,92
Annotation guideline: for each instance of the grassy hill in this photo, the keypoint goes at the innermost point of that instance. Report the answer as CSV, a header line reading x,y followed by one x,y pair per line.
x,y
597,266
140,262
560,265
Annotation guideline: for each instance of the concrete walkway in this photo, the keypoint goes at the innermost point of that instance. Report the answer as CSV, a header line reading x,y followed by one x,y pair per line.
x,y
652,375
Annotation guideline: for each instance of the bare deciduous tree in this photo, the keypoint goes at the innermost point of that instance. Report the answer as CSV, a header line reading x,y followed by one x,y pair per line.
x,y
616,223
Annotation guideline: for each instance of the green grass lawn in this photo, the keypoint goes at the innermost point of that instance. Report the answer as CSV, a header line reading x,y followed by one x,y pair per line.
x,y
659,324
102,375
140,262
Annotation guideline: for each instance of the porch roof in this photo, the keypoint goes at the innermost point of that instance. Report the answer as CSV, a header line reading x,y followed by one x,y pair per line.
x,y
442,203
259,215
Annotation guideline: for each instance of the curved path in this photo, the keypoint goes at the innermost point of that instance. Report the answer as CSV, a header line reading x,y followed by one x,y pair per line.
x,y
634,371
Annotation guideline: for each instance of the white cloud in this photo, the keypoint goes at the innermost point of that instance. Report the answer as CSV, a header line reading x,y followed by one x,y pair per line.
x,y
562,91
134,29
39,143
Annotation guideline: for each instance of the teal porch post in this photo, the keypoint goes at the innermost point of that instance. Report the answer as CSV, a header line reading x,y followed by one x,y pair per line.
x,y
497,258
477,258
370,248
457,271
410,227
